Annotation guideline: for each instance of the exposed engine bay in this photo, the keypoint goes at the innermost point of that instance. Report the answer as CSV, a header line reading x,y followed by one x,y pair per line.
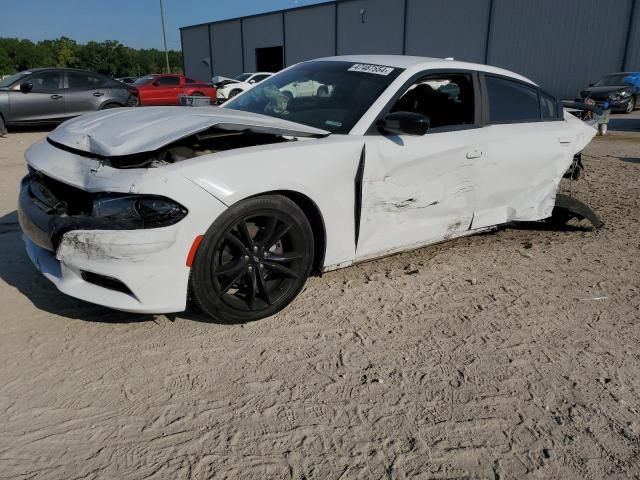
x,y
203,143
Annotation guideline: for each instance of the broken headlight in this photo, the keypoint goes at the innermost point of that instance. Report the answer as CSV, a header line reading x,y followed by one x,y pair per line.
x,y
142,211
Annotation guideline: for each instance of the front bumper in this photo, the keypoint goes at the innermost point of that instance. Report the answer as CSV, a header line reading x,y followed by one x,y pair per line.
x,y
620,104
141,271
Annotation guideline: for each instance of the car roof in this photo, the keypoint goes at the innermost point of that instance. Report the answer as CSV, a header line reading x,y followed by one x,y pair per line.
x,y
415,63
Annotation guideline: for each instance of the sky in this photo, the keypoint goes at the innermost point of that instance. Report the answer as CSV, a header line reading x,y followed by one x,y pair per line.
x,y
134,23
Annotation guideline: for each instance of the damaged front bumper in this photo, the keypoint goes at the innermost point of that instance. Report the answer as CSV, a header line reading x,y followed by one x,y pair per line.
x,y
139,270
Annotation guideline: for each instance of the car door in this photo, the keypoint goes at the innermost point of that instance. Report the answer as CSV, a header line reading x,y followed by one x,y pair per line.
x,y
84,92
418,190
529,147
168,90
44,101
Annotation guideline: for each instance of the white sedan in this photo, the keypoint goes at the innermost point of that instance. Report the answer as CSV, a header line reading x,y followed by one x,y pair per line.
x,y
230,87
140,209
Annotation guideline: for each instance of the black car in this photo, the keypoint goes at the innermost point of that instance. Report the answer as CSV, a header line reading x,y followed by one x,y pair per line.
x,y
51,95
621,90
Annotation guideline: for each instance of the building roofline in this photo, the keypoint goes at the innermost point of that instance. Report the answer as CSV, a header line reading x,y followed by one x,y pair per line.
x,y
293,9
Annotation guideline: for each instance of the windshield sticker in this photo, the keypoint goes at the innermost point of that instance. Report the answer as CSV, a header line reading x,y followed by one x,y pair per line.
x,y
376,69
332,123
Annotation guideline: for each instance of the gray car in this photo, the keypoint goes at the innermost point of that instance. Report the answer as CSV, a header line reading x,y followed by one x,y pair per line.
x,y
52,95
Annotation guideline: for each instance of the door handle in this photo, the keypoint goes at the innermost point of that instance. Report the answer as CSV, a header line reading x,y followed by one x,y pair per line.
x,y
564,140
474,154
56,97
98,94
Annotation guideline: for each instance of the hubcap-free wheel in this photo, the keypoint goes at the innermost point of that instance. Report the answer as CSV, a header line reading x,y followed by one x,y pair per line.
x,y
254,260
631,105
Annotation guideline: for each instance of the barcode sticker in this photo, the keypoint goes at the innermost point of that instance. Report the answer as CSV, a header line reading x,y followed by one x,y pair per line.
x,y
376,69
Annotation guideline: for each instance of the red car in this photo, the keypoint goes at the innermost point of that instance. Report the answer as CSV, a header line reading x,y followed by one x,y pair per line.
x,y
163,89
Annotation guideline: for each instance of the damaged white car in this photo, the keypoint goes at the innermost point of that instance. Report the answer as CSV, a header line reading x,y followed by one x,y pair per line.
x,y
234,207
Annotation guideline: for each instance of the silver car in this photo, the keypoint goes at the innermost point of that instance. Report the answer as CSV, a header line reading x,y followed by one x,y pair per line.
x,y
51,95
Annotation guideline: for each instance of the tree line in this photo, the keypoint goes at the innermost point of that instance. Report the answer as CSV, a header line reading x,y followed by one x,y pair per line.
x,y
109,57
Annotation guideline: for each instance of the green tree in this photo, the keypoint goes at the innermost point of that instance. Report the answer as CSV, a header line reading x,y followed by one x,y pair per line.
x,y
109,57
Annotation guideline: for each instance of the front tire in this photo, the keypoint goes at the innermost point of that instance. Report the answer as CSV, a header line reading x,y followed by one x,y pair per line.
x,y
631,106
3,128
253,261
235,92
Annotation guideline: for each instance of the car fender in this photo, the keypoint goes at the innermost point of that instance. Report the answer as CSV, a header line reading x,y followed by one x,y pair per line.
x,y
324,170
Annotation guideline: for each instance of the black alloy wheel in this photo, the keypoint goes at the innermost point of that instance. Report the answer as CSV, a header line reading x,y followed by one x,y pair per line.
x,y
253,260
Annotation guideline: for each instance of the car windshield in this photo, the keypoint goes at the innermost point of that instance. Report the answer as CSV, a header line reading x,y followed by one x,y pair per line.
x,y
328,95
143,80
612,81
13,78
242,77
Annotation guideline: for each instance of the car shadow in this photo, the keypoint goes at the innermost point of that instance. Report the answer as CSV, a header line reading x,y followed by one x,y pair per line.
x,y
549,227
630,159
31,128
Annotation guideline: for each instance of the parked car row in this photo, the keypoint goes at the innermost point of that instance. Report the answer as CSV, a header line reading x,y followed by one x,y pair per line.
x,y
52,95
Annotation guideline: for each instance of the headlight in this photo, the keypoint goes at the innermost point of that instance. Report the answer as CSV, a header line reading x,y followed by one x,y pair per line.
x,y
140,211
619,95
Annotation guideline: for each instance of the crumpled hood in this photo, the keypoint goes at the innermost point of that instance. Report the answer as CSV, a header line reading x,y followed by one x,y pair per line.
x,y
126,131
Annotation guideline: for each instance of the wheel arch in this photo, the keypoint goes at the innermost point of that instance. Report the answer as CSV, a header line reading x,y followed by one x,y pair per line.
x,y
109,102
316,220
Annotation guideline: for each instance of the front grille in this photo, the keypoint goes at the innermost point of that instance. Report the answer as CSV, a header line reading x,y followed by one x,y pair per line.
x,y
58,197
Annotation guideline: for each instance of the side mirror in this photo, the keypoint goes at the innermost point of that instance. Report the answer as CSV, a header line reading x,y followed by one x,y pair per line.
x,y
26,87
591,84
155,83
404,123
252,81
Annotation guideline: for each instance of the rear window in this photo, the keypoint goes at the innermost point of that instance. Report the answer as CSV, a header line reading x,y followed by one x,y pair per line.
x,y
511,101
189,80
85,80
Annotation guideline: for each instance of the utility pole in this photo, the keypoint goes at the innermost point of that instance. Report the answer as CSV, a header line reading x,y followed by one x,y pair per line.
x,y
164,37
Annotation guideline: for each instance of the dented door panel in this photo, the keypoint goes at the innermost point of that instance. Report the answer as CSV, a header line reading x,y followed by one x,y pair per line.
x,y
418,190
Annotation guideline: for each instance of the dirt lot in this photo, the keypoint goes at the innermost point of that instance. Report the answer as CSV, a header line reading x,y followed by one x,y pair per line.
x,y
514,354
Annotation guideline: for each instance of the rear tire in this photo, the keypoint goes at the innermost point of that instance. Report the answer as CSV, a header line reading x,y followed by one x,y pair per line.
x,y
3,128
197,94
253,261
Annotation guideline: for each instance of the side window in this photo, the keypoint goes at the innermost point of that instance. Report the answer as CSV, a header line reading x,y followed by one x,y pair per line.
x,y
46,81
548,107
259,78
84,80
169,81
511,102
189,80
447,99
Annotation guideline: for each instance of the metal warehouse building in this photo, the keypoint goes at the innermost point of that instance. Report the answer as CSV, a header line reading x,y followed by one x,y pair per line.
x,y
560,44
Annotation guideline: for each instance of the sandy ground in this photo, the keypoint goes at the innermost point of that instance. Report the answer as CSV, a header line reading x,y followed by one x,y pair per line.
x,y
514,354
